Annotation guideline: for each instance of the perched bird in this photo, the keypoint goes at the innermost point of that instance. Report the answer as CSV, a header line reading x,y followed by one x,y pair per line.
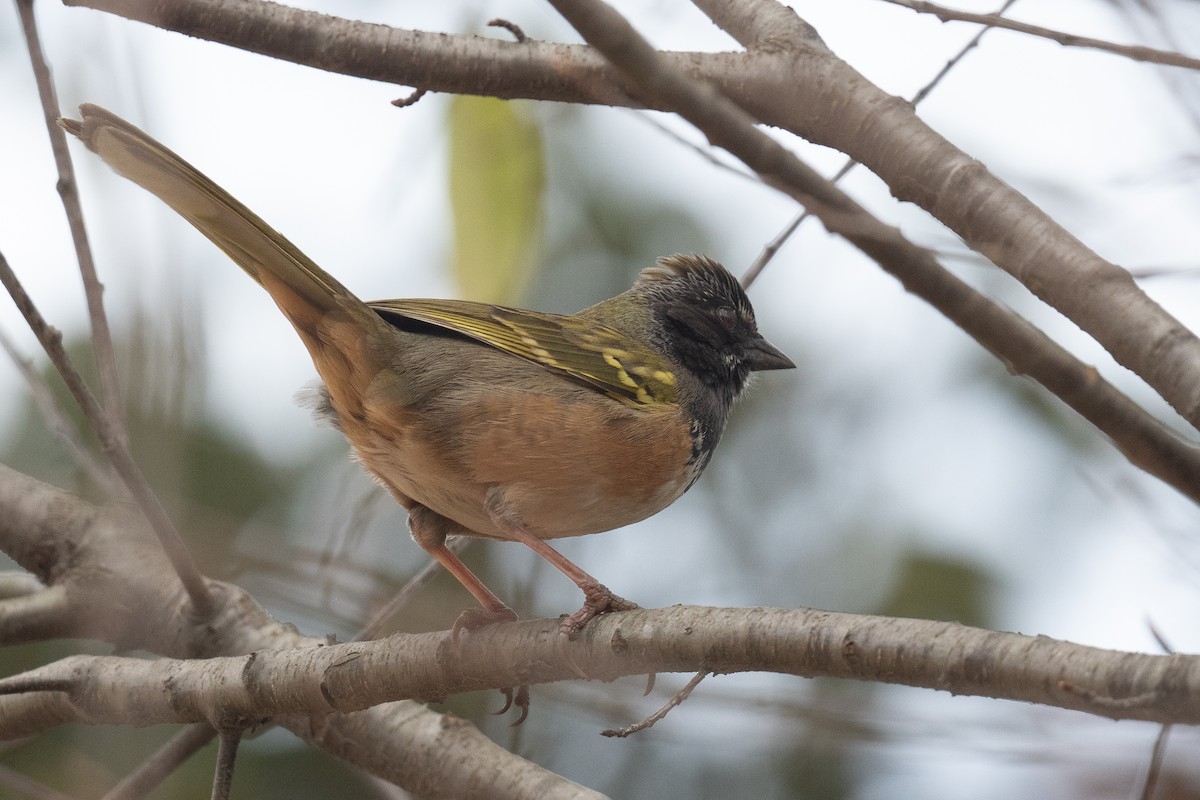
x,y
489,421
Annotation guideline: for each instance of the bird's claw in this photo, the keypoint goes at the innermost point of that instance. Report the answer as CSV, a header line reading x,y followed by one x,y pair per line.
x,y
476,618
597,599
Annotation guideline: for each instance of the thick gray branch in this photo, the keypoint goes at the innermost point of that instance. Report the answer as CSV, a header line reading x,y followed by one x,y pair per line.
x,y
119,587
350,677
791,80
1023,347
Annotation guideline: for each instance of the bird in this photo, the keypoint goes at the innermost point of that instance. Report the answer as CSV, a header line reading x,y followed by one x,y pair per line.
x,y
484,420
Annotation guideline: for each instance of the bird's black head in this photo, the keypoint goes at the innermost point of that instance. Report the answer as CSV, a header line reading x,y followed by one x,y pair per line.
x,y
706,323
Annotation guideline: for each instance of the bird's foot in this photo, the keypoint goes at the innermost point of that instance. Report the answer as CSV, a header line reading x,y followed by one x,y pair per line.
x,y
519,699
475,618
597,599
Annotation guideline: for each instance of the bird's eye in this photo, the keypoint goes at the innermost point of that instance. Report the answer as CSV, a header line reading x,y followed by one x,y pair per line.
x,y
728,317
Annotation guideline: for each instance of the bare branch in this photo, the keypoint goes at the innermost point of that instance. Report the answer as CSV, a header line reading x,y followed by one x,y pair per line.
x,y
113,444
438,757
432,61
652,720
226,756
155,769
109,564
405,102
773,246
35,713
1154,771
318,681
1131,51
85,558
511,27
409,590
194,737
106,360
925,90
1023,347
27,787
56,420
758,24
36,617
789,85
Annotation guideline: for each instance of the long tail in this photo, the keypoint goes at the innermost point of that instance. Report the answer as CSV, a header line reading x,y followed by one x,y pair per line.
x,y
301,289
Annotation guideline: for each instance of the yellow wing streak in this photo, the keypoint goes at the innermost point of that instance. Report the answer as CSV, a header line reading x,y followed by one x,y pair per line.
x,y
580,349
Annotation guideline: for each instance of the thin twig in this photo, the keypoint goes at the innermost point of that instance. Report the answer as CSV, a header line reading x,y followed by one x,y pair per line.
x,y
704,152
55,419
413,97
162,762
1023,347
27,787
1159,637
511,27
1131,51
650,721
773,246
68,190
227,749
375,626
953,62
1158,752
1154,771
113,446
192,738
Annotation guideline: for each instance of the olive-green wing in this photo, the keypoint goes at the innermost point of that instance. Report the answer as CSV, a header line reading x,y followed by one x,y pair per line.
x,y
581,349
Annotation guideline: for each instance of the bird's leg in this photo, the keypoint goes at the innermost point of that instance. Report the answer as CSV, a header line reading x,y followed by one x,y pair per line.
x,y
429,530
597,598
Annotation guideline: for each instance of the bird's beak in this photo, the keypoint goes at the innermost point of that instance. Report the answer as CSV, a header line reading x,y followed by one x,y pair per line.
x,y
764,355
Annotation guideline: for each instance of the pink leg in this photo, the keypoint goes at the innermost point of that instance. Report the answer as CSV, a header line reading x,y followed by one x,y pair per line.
x,y
429,530
597,598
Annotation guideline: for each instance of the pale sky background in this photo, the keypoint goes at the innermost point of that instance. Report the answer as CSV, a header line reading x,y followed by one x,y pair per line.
x,y
928,452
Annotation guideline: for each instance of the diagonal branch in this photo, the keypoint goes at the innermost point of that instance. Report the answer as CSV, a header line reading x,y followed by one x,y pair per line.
x,y
28,788
114,445
1134,52
1023,347
155,769
434,62
750,27
226,758
34,617
56,420
121,589
106,359
790,80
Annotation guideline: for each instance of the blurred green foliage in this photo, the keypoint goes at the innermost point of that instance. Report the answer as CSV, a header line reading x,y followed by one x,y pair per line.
x,y
84,762
209,480
497,175
935,586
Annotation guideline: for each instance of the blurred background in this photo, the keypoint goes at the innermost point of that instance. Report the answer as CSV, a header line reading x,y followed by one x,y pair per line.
x,y
899,470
